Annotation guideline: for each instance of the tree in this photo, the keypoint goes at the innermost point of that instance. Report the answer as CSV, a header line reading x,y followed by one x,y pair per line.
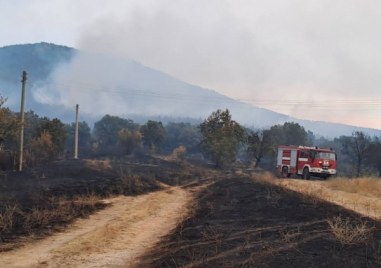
x,y
222,137
130,140
356,147
182,134
41,149
84,137
289,133
106,131
374,156
154,135
57,132
9,127
259,144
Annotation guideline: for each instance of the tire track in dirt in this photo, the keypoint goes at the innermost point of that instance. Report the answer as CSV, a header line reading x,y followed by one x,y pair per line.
x,y
113,237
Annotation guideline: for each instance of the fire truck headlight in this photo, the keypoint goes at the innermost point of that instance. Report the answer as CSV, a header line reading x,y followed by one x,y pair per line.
x,y
320,162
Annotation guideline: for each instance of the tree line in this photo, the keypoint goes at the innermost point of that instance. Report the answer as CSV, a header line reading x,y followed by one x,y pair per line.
x,y
218,138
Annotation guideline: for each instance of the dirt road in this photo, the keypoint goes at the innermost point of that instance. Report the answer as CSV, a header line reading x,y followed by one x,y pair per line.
x,y
113,237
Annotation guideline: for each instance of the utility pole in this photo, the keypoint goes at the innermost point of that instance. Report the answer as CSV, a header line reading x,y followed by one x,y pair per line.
x,y
23,81
76,132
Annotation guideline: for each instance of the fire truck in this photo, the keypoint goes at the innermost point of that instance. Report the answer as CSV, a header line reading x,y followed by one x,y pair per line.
x,y
306,161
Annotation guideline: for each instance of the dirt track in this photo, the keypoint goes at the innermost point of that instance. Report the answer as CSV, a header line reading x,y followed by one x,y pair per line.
x,y
113,237
235,221
241,222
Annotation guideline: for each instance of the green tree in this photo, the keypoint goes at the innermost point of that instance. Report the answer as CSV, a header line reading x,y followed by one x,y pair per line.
x,y
40,149
9,130
356,148
259,144
130,140
289,133
182,134
154,135
222,137
106,131
57,132
84,137
374,155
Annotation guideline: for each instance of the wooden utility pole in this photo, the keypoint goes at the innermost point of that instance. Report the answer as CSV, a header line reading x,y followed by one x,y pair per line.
x,y
76,132
23,81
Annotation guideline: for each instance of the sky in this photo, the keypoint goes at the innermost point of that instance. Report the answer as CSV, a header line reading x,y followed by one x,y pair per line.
x,y
315,59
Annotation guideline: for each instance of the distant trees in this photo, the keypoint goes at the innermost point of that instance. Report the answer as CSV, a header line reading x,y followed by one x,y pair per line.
x,y
9,127
289,133
84,138
218,137
182,134
129,140
356,147
154,135
222,137
259,144
46,139
374,154
106,133
56,130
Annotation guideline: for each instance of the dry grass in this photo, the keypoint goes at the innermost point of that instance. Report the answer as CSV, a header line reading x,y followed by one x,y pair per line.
x,y
367,186
7,216
56,211
99,164
266,177
348,233
361,195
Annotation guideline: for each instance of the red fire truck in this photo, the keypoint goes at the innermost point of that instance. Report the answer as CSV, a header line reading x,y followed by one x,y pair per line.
x,y
306,161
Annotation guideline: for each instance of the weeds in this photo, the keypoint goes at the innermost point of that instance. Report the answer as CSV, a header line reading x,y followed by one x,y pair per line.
x,y
45,216
7,216
348,233
365,186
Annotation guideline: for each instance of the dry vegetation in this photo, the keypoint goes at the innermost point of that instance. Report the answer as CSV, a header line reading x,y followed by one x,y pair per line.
x,y
43,217
39,201
236,220
251,222
364,186
362,195
348,232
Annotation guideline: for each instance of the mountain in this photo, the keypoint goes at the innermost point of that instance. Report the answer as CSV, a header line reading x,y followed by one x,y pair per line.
x,y
60,77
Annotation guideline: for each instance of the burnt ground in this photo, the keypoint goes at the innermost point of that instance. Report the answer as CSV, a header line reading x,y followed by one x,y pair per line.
x,y
241,222
46,199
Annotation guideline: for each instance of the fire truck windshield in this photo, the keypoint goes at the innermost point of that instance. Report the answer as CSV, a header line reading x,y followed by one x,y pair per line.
x,y
324,155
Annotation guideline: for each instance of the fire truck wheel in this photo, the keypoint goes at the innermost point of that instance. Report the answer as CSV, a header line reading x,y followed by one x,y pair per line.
x,y
285,173
306,173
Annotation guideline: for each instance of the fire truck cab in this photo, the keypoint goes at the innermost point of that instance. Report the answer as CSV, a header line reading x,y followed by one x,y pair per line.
x,y
306,161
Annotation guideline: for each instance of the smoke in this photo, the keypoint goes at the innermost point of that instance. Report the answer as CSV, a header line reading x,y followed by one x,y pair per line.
x,y
315,51
316,56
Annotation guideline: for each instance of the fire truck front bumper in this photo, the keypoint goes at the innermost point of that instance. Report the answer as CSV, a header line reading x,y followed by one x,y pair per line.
x,y
323,171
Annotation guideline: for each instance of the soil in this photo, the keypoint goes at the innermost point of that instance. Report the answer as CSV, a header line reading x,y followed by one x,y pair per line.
x,y
241,222
171,214
113,237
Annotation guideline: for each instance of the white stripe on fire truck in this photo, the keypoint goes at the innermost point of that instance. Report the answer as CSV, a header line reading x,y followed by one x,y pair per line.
x,y
302,159
286,158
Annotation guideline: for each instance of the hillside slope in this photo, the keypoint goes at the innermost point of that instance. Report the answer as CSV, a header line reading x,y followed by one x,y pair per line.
x,y
59,77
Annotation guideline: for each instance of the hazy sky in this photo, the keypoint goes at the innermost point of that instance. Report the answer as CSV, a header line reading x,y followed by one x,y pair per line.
x,y
315,59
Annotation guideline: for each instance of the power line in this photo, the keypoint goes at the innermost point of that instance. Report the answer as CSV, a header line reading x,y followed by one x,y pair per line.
x,y
306,104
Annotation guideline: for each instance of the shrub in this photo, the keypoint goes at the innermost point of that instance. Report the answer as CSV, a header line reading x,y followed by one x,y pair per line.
x,y
349,233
